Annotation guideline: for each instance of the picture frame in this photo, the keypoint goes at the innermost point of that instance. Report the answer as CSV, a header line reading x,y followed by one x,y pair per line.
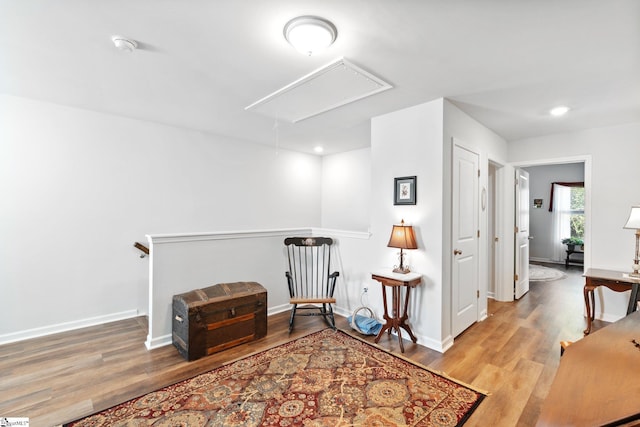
x,y
404,190
537,203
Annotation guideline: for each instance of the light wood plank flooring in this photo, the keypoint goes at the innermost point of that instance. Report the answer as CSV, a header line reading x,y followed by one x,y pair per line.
x,y
513,355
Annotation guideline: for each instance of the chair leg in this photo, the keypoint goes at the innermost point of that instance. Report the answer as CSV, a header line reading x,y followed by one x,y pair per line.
x,y
328,316
333,320
293,314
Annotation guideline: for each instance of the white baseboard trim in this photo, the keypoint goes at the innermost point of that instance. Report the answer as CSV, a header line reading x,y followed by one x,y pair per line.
x,y
342,311
546,260
153,343
278,309
606,317
422,340
65,327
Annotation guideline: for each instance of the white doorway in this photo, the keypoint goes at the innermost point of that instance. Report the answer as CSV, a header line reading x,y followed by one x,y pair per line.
x,y
504,285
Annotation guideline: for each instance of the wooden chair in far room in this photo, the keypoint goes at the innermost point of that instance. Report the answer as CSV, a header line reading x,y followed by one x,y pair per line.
x,y
311,285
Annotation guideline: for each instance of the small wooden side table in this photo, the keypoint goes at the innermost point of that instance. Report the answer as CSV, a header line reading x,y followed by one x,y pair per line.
x,y
614,280
398,319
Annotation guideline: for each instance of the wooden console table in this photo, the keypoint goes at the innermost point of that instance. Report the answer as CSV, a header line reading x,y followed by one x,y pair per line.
x,y
597,382
398,319
614,280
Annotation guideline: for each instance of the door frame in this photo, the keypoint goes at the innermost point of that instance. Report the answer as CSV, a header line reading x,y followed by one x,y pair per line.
x,y
505,287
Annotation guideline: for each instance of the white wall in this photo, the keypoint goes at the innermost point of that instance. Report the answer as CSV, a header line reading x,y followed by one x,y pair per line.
x,y
413,141
406,143
346,205
614,189
541,220
79,187
346,190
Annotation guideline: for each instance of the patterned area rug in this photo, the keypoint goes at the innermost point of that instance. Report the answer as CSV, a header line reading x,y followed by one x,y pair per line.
x,y
539,273
324,379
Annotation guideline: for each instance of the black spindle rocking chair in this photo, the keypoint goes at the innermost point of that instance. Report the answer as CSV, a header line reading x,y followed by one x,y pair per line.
x,y
309,279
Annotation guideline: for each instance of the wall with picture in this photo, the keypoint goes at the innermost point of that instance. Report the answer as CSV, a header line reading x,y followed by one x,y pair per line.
x,y
540,219
409,143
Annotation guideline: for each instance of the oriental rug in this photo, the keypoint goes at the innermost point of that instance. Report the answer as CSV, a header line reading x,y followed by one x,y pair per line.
x,y
327,378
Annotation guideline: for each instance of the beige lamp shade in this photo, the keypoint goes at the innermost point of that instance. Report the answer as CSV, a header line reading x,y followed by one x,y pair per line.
x,y
403,237
634,218
634,223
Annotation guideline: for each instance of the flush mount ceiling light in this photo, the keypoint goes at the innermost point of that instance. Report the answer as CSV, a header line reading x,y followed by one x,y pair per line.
x,y
310,34
124,43
560,110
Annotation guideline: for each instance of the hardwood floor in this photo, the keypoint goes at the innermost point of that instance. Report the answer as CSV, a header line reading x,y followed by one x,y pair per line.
x,y
513,355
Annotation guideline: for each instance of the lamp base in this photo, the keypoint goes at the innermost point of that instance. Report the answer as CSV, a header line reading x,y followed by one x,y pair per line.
x,y
402,270
634,274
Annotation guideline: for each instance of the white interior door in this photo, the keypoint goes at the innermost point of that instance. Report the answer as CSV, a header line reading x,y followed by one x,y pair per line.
x,y
521,267
464,275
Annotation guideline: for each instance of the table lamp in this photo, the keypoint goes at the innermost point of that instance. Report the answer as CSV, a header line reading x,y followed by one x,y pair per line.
x,y
634,223
402,237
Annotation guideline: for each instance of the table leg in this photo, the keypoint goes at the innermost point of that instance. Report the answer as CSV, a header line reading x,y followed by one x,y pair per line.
x,y
398,320
405,317
587,290
633,298
388,323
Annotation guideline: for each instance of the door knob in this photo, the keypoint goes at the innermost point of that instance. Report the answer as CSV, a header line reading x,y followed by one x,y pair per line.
x,y
457,252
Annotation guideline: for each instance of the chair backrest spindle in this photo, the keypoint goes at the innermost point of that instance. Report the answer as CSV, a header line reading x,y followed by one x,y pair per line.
x,y
309,266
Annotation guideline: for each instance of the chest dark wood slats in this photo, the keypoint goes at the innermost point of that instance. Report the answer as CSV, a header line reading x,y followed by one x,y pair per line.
x,y
212,319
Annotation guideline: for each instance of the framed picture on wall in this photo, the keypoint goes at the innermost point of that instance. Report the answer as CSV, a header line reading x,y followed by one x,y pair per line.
x,y
404,192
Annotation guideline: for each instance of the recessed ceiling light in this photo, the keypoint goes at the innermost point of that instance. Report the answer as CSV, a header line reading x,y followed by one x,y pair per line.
x,y
318,149
310,34
124,43
558,111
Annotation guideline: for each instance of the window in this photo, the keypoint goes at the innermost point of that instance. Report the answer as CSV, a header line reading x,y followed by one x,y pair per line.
x,y
567,205
576,212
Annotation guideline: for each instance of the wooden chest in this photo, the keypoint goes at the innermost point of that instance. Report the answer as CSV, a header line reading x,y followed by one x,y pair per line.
x,y
212,319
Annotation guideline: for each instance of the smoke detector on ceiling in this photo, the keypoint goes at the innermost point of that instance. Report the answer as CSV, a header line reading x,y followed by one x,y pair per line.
x,y
124,43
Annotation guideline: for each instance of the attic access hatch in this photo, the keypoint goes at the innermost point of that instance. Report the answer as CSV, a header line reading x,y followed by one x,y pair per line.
x,y
332,86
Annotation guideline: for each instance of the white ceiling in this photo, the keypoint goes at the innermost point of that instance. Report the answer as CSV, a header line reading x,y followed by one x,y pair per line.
x,y
201,62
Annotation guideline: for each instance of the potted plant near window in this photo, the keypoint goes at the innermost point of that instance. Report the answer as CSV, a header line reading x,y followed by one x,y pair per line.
x,y
572,242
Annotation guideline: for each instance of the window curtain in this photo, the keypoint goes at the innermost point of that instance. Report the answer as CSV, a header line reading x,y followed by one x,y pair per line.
x,y
566,184
561,220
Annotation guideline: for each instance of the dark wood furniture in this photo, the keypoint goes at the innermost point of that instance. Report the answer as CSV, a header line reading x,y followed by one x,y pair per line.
x,y
397,319
616,281
598,381
573,251
209,320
